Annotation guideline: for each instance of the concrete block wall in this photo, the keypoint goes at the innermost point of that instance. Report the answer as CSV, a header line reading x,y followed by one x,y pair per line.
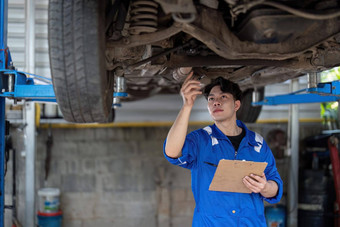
x,y
110,177
115,177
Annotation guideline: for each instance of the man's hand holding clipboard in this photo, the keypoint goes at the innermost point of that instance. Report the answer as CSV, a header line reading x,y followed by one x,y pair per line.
x,y
230,173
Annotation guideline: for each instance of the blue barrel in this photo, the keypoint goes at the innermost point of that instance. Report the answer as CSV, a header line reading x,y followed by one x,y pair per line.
x,y
275,216
49,219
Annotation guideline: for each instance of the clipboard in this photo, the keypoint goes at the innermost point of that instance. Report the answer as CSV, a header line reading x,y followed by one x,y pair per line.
x,y
229,174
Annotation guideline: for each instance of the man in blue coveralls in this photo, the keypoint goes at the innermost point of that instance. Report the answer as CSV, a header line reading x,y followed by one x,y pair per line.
x,y
201,150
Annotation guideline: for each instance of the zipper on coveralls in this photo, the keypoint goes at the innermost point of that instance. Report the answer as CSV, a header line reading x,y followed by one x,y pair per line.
x,y
236,151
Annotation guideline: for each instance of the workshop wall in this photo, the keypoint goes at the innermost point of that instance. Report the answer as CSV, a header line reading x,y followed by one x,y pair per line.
x,y
109,177
117,176
113,177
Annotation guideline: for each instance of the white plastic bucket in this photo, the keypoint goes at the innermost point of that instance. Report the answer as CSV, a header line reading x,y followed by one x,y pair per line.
x,y
50,110
48,200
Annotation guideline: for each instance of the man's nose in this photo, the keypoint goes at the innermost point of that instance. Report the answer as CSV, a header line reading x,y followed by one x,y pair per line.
x,y
217,102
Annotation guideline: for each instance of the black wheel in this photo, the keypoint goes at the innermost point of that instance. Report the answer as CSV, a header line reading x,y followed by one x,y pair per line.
x,y
247,112
82,85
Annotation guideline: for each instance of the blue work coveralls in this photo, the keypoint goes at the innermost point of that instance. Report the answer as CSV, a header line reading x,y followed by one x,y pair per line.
x,y
214,208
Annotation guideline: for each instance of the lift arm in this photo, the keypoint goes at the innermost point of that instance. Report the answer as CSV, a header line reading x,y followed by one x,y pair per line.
x,y
19,85
324,92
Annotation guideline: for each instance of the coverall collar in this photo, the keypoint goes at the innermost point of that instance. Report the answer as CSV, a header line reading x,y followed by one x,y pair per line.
x,y
217,133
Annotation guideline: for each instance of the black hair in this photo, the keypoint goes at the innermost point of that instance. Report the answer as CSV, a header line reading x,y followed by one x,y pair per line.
x,y
226,86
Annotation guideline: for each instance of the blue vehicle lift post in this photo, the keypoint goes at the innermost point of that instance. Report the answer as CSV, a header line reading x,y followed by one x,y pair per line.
x,y
3,51
18,86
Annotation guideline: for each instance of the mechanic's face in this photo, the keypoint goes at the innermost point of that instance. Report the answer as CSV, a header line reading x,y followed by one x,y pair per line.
x,y
221,105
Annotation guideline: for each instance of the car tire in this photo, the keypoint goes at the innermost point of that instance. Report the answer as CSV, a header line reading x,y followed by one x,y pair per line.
x,y
248,113
83,87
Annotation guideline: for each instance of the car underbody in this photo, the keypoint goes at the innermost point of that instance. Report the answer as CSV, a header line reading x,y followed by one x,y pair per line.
x,y
266,45
154,44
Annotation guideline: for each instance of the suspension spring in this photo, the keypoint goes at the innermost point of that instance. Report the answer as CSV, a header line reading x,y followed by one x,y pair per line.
x,y
143,17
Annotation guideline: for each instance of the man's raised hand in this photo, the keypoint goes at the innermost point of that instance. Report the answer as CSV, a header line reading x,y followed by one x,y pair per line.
x,y
190,89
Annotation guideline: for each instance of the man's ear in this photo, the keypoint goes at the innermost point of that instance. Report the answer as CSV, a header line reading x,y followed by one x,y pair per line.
x,y
237,105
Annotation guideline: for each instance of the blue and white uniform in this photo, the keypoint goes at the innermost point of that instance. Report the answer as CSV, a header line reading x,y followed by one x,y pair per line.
x,y
217,209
